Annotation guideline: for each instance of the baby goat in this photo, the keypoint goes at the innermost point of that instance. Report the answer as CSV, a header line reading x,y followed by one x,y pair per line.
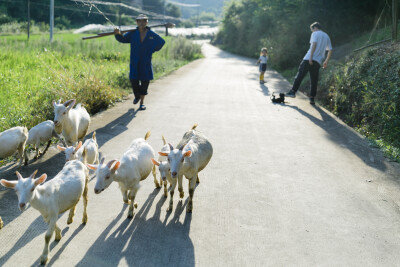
x,y
192,155
134,166
91,147
58,195
12,140
165,174
43,132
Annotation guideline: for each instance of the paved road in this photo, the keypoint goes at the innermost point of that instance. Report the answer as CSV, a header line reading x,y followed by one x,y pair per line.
x,y
288,185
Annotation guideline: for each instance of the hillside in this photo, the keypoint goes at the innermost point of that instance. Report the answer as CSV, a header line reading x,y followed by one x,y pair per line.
x,y
363,89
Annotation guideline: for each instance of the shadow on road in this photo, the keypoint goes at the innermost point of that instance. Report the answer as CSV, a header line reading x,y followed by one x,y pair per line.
x,y
343,136
144,241
114,128
33,231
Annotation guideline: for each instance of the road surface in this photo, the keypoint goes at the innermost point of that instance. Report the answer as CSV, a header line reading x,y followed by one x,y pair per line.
x,y
288,185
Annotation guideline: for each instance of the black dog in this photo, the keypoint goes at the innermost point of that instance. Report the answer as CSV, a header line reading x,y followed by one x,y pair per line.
x,y
281,98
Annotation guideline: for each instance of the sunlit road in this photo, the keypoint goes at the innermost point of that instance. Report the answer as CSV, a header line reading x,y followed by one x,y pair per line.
x,y
288,185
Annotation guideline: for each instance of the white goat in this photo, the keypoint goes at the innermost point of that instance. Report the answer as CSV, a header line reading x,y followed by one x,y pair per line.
x,y
134,166
73,123
58,195
43,132
12,140
163,167
192,155
91,147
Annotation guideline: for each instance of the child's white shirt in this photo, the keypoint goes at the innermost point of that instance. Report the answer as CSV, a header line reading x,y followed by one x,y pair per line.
x,y
263,59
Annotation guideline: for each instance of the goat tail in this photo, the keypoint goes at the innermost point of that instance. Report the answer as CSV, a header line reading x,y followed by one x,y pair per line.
x,y
163,139
147,135
194,126
94,136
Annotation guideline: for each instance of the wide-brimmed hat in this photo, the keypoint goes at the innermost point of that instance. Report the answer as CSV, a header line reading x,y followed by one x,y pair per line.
x,y
142,16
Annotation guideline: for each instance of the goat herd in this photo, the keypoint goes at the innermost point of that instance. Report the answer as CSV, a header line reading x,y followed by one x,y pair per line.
x,y
63,192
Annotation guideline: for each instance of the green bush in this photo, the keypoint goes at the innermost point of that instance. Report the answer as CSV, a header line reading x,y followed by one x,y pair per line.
x,y
364,91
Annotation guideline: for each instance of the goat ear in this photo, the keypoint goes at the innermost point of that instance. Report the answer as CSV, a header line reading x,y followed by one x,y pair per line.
x,y
78,146
54,103
182,147
188,153
18,175
61,148
91,166
163,154
116,166
155,162
33,174
102,161
70,103
8,184
41,179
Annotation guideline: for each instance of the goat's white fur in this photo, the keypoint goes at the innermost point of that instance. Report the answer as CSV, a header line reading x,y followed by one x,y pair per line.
x,y
134,166
191,156
13,140
73,122
43,132
164,169
58,195
75,152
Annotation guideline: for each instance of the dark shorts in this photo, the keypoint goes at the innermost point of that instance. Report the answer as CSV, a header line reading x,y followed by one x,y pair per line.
x,y
263,67
139,87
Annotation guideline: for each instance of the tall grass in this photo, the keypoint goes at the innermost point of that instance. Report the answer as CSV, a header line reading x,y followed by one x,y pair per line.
x,y
95,72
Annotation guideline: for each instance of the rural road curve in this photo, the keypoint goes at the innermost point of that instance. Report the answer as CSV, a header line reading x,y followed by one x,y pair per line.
x,y
288,185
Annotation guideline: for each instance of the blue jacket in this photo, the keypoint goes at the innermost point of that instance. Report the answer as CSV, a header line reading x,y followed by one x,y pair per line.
x,y
141,53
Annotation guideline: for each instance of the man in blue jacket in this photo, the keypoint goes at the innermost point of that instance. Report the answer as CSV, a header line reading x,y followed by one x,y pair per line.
x,y
144,42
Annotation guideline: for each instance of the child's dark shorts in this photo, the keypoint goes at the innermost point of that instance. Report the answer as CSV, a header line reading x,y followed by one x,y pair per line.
x,y
263,66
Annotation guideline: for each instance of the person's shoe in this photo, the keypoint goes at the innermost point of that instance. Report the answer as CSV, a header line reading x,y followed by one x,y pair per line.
x,y
136,100
291,93
312,101
261,82
142,107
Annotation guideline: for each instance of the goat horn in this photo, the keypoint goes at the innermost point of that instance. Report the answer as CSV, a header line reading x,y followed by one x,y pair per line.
x,y
110,163
18,175
170,146
33,174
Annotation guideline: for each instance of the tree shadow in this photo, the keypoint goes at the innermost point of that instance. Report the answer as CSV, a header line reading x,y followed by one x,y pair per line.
x,y
342,135
144,241
29,234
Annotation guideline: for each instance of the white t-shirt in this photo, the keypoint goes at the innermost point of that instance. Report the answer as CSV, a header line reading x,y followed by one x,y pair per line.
x,y
323,43
263,59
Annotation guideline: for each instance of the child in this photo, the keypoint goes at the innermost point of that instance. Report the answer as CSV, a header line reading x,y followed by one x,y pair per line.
x,y
263,63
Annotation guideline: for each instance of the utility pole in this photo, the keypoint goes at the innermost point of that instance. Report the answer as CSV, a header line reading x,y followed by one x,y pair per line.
x,y
29,17
394,17
51,19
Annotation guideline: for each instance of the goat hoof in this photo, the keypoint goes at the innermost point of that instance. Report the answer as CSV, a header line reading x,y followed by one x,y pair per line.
x,y
181,194
43,260
126,201
166,195
169,208
70,221
130,216
135,205
84,220
157,185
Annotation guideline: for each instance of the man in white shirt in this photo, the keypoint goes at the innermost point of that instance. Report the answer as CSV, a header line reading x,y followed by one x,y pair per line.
x,y
319,43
